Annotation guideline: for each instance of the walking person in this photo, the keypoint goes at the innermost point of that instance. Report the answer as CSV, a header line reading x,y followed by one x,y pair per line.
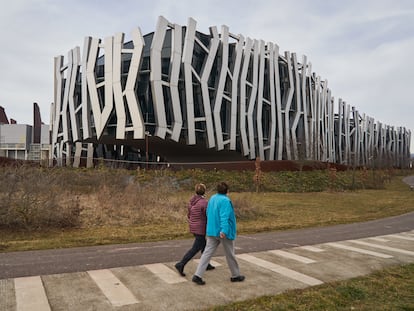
x,y
197,219
221,228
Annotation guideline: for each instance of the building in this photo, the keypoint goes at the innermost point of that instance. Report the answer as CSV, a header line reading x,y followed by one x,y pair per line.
x,y
180,95
22,141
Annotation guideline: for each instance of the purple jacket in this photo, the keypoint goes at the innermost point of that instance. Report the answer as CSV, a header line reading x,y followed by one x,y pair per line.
x,y
196,215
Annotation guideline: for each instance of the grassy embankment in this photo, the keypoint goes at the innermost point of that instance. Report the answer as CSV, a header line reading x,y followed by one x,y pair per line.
x,y
59,208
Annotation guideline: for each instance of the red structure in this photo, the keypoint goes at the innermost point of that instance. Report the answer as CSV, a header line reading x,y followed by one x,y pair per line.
x,y
3,116
37,124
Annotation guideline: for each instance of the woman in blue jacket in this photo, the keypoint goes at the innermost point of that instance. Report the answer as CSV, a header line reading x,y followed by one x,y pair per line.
x,y
221,228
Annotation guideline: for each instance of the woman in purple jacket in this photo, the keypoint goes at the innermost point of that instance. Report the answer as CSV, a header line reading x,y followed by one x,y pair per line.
x,y
197,221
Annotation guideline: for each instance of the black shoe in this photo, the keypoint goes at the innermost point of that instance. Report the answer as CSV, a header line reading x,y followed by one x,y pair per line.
x,y
180,268
210,267
239,278
198,280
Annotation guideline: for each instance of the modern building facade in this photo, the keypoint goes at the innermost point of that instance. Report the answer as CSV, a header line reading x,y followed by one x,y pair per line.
x,y
184,95
23,141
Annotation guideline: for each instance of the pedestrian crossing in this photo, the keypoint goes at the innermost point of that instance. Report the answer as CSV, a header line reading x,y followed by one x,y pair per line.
x,y
403,237
30,294
165,273
312,248
158,286
280,270
288,255
387,248
113,289
359,250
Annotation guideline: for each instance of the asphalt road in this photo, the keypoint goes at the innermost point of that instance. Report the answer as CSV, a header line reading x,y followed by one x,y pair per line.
x,y
29,263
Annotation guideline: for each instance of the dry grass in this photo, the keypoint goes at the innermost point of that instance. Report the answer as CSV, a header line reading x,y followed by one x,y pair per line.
x,y
293,210
135,212
31,198
134,205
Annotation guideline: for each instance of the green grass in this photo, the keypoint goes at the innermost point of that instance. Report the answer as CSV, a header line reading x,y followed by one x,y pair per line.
x,y
64,238
388,289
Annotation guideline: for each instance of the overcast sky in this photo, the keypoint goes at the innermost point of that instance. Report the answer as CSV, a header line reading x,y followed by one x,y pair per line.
x,y
364,48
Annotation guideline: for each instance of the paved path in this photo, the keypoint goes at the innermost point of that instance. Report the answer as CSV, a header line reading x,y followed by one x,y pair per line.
x,y
410,181
142,276
81,259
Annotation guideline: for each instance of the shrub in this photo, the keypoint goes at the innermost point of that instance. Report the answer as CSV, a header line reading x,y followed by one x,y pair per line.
x,y
31,198
35,197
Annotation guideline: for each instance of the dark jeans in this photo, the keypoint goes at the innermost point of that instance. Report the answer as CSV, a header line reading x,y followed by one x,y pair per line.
x,y
198,245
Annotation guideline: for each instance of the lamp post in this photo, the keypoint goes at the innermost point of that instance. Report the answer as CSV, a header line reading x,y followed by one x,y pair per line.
x,y
146,148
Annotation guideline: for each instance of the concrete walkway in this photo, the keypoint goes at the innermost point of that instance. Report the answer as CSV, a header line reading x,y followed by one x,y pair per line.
x,y
409,180
157,286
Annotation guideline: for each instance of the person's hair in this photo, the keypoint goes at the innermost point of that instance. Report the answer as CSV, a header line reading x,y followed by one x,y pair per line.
x,y
222,188
200,189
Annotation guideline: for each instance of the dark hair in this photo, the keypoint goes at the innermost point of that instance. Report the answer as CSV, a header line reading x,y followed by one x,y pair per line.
x,y
222,188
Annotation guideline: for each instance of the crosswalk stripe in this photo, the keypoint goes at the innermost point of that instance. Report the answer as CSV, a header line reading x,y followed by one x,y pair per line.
x,y
164,273
312,249
288,255
359,250
212,262
116,292
281,270
379,239
30,294
387,248
401,237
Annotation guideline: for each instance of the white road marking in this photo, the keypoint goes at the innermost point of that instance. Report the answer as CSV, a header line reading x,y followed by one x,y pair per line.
x,y
359,250
401,237
392,249
212,262
133,248
164,273
288,255
379,239
312,249
116,292
30,294
281,270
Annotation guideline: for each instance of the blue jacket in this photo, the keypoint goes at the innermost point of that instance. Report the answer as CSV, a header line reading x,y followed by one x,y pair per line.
x,y
221,217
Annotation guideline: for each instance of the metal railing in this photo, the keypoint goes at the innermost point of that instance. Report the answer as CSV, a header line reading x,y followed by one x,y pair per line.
x,y
20,146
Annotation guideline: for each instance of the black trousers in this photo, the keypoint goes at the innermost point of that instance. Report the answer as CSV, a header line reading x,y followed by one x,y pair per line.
x,y
198,246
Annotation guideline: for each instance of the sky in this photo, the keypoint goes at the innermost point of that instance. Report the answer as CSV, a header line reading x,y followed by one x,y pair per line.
x,y
363,48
